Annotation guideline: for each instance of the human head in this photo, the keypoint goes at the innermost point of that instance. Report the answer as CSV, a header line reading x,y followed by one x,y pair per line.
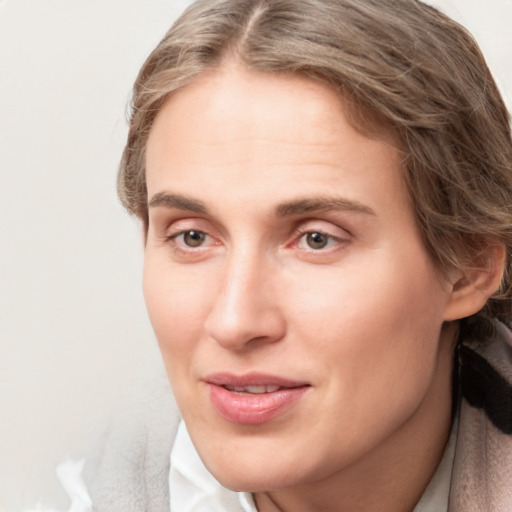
x,y
282,250
402,66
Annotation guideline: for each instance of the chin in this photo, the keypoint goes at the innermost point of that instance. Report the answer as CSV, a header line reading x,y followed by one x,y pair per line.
x,y
260,481
260,472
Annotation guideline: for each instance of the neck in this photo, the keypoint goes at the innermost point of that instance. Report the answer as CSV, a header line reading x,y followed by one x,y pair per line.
x,y
392,477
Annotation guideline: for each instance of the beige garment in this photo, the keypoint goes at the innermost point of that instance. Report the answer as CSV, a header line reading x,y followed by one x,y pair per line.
x,y
482,474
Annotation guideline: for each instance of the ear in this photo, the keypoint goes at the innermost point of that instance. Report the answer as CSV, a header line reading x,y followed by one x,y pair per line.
x,y
473,285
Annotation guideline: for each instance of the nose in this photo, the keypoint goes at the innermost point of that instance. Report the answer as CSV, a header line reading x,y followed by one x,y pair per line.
x,y
246,311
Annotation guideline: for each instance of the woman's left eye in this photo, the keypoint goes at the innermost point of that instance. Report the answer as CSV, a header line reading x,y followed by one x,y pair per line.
x,y
316,240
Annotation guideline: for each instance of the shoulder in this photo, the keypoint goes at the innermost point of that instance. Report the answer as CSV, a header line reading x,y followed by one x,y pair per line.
x,y
127,467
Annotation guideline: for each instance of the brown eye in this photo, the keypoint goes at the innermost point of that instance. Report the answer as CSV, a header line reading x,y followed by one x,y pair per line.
x,y
193,238
317,240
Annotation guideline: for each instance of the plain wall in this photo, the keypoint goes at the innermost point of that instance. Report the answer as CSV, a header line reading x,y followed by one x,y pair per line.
x,y
74,335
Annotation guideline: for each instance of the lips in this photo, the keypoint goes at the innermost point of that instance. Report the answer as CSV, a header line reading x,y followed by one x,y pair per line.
x,y
253,399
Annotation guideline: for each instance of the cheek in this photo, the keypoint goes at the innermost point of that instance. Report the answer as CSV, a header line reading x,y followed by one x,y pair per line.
x,y
372,320
176,313
372,289
376,339
176,302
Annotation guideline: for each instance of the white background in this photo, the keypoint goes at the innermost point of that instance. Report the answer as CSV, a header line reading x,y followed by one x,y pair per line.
x,y
74,335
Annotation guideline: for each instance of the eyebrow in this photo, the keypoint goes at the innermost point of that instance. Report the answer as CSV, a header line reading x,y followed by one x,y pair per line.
x,y
286,209
178,201
321,204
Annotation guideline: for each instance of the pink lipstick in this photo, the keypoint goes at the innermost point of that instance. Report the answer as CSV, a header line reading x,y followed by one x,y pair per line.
x,y
253,398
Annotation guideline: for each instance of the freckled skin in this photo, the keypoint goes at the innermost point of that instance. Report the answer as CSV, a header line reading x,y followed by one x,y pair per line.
x,y
361,318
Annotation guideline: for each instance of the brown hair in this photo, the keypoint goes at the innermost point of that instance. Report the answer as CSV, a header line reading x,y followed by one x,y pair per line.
x,y
416,70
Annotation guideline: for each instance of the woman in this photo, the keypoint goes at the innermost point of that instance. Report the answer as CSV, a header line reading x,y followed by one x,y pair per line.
x,y
325,189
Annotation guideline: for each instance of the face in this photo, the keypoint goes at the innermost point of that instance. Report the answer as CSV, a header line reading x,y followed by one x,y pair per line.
x,y
294,303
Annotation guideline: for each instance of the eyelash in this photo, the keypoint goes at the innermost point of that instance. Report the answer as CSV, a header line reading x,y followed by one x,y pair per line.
x,y
304,233
300,235
172,238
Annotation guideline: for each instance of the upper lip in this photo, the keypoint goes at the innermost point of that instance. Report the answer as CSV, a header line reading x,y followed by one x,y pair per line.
x,y
252,379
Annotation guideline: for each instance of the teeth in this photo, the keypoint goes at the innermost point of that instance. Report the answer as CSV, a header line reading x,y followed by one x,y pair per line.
x,y
254,390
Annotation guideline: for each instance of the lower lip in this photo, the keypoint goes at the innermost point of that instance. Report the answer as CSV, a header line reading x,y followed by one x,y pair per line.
x,y
253,409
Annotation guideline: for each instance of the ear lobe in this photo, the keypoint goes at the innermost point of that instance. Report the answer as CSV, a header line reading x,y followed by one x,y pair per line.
x,y
475,284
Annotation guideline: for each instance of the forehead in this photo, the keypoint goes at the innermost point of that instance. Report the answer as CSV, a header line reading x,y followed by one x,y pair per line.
x,y
263,133
235,97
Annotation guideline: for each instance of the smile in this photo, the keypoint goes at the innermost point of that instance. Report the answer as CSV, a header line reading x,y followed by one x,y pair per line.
x,y
249,400
252,390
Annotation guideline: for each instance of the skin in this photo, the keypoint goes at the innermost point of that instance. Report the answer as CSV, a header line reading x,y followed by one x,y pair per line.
x,y
365,320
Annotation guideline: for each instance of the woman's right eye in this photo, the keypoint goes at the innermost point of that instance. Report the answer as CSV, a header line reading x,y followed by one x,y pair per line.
x,y
190,239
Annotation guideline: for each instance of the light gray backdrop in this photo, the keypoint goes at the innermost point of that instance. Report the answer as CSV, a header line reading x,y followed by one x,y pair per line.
x,y
74,335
